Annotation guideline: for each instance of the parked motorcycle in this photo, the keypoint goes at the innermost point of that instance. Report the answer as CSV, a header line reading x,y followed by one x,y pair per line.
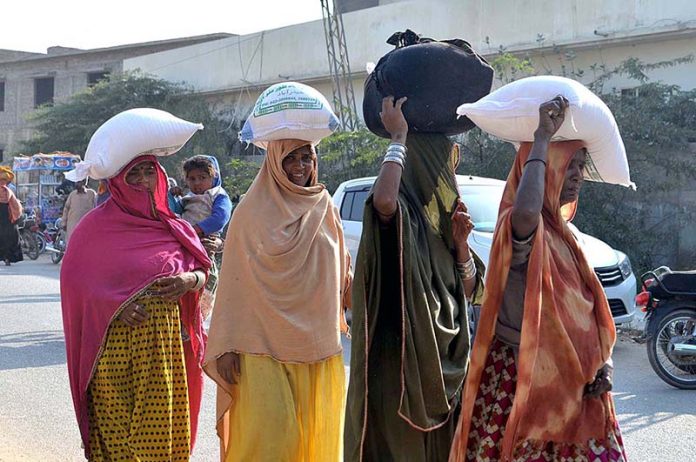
x,y
42,236
27,239
47,235
669,301
57,244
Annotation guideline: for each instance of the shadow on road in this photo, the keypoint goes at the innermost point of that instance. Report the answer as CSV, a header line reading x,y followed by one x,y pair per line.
x,y
42,268
678,405
34,298
642,399
32,349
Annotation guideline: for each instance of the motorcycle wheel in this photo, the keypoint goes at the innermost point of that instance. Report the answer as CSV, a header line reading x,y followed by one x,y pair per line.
x,y
678,371
56,257
30,247
41,241
59,244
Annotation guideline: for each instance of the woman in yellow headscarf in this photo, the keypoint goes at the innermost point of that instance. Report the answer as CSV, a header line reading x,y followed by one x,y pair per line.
x,y
10,211
540,375
275,336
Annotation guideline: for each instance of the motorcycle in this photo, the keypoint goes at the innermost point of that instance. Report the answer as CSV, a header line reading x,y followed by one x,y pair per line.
x,y
27,238
42,235
57,244
669,300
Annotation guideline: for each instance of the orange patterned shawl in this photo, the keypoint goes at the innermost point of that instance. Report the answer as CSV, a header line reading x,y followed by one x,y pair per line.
x,y
567,330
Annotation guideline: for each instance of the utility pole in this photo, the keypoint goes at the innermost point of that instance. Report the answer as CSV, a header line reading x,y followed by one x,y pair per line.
x,y
339,66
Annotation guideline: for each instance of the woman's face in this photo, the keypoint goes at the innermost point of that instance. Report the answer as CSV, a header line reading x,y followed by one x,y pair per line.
x,y
299,165
143,175
574,177
4,181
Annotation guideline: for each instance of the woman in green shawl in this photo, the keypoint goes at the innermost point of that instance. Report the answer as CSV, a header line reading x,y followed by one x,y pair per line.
x,y
415,276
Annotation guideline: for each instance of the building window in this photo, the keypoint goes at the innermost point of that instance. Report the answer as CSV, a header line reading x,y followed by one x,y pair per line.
x,y
43,91
629,92
2,96
2,155
94,77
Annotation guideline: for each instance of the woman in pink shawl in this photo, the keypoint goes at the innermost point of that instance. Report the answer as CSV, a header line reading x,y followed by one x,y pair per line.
x,y
130,286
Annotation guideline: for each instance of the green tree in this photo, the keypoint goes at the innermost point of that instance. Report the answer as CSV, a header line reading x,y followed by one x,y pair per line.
x,y
347,155
657,123
68,126
240,175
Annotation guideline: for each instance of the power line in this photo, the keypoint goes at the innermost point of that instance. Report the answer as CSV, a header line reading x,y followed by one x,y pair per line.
x,y
198,55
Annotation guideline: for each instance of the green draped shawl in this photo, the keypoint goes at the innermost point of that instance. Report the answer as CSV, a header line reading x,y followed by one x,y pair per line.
x,y
426,296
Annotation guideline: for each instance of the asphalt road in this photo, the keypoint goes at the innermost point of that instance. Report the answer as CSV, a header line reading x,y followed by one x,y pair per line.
x,y
37,421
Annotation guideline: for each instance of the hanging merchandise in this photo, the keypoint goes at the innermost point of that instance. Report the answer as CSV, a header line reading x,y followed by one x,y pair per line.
x,y
39,180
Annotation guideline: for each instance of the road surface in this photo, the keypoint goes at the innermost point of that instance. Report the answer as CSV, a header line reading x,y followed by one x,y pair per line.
x,y
37,421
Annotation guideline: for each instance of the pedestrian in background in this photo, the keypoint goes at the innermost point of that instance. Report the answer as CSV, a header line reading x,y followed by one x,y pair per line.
x,y
540,376
10,211
66,187
133,328
80,202
275,336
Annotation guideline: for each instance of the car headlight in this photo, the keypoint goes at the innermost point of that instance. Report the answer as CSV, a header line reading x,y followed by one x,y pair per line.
x,y
625,265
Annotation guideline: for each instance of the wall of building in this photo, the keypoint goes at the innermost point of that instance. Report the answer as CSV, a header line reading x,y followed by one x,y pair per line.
x,y
346,6
69,68
70,76
570,36
12,55
593,31
583,59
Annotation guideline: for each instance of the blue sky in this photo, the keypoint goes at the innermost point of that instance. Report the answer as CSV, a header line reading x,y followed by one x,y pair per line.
x,y
34,25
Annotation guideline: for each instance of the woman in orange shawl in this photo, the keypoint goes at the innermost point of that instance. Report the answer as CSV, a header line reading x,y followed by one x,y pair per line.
x,y
540,375
10,211
275,336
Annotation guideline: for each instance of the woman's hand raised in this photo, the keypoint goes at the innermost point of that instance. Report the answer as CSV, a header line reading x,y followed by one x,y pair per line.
x,y
393,119
461,229
551,116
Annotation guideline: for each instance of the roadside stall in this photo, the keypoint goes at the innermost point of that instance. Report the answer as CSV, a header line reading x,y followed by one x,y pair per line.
x,y
38,181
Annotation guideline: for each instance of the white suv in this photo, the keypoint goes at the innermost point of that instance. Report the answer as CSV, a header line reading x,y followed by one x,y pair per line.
x,y
482,198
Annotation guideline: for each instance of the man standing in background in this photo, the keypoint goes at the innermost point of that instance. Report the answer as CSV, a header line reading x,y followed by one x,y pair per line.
x,y
79,202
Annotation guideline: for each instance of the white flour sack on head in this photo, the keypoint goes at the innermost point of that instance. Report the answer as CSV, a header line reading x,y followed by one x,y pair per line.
x,y
289,110
130,134
512,114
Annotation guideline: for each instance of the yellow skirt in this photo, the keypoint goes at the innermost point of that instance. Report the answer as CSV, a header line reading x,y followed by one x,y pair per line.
x,y
283,412
138,399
